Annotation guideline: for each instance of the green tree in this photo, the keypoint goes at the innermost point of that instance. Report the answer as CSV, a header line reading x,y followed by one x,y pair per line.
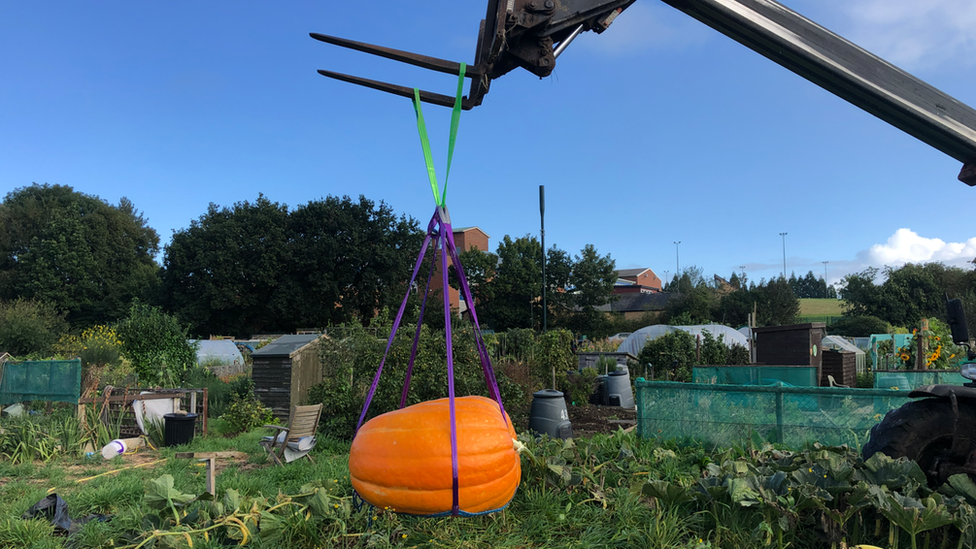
x,y
859,326
76,251
348,259
591,283
695,302
777,304
517,284
224,273
29,327
909,293
156,344
257,267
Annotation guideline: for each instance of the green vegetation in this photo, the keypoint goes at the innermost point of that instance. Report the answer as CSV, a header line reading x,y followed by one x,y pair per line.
x,y
29,327
821,307
607,491
75,252
673,355
508,286
700,302
156,345
910,293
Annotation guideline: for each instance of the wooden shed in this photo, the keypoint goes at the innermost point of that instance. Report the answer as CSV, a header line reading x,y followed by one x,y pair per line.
x,y
284,370
841,365
791,345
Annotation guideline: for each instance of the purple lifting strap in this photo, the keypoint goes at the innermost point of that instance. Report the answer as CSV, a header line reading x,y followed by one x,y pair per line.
x,y
440,227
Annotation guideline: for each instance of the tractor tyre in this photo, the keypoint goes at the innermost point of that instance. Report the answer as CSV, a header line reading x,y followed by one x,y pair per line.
x,y
922,431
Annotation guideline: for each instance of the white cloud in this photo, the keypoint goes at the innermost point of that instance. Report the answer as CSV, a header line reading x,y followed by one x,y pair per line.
x,y
915,34
906,246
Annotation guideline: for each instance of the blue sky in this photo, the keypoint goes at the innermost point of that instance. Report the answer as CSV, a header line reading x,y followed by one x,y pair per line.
x,y
659,130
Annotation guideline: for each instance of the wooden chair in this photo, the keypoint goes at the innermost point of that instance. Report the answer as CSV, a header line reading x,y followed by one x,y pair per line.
x,y
303,422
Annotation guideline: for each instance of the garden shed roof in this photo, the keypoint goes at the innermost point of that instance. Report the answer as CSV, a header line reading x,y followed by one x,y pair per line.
x,y
285,345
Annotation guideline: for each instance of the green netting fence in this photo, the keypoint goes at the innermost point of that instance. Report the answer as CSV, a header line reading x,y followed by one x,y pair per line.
x,y
906,380
48,380
726,415
799,376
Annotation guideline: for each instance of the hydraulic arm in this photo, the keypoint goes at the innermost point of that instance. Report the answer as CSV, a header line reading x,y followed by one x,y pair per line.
x,y
532,33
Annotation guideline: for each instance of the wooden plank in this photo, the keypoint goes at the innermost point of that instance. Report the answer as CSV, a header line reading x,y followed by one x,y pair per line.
x,y
211,455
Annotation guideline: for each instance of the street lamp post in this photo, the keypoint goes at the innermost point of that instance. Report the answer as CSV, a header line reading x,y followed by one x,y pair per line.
x,y
677,264
784,254
542,219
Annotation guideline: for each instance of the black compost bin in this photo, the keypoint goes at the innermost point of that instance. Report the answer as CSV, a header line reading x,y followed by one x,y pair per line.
x,y
179,429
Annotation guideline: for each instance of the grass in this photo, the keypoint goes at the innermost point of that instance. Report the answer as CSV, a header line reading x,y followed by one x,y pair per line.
x,y
821,307
600,503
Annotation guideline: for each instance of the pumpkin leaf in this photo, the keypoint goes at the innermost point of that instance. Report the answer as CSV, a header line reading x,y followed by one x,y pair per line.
x,y
161,494
897,474
232,500
319,503
742,492
963,485
667,493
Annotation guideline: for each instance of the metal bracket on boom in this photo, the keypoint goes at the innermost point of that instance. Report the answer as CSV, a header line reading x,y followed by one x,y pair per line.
x,y
514,33
531,34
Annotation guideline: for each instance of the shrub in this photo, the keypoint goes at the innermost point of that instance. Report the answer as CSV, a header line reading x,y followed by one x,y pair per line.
x,y
156,344
672,356
578,386
219,392
349,364
858,326
29,327
245,414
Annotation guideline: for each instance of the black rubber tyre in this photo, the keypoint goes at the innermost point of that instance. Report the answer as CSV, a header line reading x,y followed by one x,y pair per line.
x,y
922,431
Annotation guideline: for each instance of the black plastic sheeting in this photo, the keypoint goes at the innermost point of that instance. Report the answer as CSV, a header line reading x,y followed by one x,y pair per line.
x,y
55,510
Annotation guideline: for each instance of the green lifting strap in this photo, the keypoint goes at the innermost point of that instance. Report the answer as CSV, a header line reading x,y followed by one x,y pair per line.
x,y
439,198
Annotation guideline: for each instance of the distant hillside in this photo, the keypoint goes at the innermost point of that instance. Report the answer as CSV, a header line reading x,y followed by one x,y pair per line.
x,y
821,307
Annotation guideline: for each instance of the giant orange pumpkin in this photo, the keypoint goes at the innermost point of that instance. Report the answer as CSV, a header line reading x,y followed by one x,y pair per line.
x,y
402,459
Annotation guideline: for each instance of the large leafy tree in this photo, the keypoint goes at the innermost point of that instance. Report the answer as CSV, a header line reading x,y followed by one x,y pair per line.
x,y
348,259
508,285
909,293
223,273
258,267
517,284
75,251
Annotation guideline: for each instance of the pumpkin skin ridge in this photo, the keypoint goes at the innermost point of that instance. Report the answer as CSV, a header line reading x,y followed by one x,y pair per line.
x,y
481,465
410,475
429,502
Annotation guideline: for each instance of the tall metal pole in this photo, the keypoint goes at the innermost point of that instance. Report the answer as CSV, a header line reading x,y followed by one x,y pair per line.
x,y
542,217
784,254
677,264
825,277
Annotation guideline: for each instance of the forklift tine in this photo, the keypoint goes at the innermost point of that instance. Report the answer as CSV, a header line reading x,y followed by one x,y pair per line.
x,y
424,61
404,91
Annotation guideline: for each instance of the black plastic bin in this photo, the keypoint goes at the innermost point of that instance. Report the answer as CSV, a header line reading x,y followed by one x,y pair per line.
x,y
179,429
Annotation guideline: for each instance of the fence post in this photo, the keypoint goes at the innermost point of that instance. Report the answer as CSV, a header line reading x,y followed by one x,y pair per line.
x,y
640,406
205,399
779,417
